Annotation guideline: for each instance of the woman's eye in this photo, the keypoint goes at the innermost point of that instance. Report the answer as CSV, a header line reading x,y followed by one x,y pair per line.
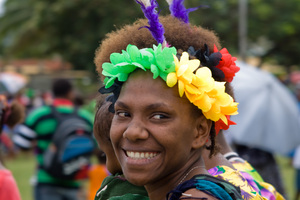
x,y
122,114
159,116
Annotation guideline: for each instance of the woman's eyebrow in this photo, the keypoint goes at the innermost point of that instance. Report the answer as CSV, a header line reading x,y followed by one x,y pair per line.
x,y
148,107
156,105
122,104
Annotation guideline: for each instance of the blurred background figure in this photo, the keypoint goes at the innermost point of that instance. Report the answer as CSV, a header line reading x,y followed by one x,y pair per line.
x,y
11,86
39,132
10,115
265,164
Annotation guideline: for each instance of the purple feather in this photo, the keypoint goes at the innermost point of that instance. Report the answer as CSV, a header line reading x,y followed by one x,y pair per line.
x,y
155,27
179,11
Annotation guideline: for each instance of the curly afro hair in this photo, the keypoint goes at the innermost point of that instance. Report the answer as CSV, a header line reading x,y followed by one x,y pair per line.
x,y
177,34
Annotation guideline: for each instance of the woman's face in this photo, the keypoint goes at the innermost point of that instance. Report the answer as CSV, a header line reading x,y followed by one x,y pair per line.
x,y
153,131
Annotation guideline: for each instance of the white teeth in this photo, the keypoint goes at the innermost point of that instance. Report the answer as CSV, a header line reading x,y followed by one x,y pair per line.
x,y
131,154
140,155
137,155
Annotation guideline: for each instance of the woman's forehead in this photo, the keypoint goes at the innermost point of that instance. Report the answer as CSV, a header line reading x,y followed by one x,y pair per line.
x,y
141,83
152,93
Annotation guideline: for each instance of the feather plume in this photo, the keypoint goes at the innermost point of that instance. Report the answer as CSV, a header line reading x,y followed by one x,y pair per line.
x,y
155,27
178,10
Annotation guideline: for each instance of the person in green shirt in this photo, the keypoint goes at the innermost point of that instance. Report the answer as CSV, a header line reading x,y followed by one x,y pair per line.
x,y
37,133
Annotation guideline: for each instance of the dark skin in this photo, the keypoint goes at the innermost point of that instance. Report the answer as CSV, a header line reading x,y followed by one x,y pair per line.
x,y
142,126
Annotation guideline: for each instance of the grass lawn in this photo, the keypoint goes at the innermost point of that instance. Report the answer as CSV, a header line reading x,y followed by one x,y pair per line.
x,y
288,176
23,168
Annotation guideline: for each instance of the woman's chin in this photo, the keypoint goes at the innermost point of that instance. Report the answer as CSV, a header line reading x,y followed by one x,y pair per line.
x,y
137,181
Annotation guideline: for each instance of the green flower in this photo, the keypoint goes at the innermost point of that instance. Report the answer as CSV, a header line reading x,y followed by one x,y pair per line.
x,y
158,60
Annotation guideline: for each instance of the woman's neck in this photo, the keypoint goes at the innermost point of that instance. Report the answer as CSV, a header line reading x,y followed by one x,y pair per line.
x,y
159,190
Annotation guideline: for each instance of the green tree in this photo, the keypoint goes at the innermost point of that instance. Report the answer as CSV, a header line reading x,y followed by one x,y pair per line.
x,y
273,27
278,21
74,29
71,29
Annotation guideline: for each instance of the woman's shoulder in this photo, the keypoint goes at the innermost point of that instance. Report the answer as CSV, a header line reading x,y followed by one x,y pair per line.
x,y
249,188
201,185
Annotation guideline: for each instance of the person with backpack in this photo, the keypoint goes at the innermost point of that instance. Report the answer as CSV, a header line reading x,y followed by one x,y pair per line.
x,y
61,135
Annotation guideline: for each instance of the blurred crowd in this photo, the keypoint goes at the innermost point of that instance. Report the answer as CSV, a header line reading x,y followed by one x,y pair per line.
x,y
21,105
32,99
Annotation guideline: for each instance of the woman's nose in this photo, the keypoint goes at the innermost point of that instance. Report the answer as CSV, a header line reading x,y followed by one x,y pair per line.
x,y
135,131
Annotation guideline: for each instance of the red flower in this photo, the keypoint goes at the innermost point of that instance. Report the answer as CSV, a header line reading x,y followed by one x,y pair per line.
x,y
227,64
221,125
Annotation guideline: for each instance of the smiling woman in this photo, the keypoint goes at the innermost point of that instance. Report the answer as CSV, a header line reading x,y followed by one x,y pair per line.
x,y
158,131
168,100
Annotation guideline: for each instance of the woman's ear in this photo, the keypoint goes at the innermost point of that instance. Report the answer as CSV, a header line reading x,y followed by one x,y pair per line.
x,y
202,132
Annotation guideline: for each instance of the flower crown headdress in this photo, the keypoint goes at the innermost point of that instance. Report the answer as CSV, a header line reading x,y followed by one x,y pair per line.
x,y
194,81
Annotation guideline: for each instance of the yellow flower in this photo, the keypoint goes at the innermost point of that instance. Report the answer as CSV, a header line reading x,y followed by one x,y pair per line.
x,y
201,89
171,79
204,79
184,72
204,102
220,109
